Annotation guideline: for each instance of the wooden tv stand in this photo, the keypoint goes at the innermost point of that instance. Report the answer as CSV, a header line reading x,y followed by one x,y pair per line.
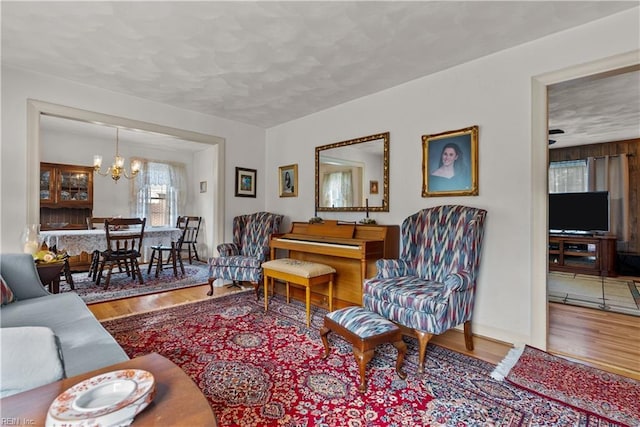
x,y
584,254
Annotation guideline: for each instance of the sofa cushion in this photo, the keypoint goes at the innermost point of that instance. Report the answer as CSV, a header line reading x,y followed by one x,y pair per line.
x,y
85,344
31,357
6,294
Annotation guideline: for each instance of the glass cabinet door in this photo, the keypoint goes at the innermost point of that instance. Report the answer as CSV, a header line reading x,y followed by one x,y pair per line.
x,y
47,184
74,185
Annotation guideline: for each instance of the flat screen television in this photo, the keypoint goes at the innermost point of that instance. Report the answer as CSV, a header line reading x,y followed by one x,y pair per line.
x,y
579,212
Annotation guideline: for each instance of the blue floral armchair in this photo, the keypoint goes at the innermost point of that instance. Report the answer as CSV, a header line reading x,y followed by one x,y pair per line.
x,y
242,259
431,288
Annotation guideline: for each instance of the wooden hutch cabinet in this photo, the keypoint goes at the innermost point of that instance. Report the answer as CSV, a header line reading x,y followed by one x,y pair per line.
x,y
66,186
66,195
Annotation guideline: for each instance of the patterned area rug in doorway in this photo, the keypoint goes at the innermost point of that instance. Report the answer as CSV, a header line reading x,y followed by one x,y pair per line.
x,y
122,286
599,393
260,368
604,293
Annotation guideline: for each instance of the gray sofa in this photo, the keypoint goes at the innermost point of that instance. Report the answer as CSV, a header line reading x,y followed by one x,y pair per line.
x,y
81,342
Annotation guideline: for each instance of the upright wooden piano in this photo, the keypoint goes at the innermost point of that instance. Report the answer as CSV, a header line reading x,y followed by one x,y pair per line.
x,y
352,249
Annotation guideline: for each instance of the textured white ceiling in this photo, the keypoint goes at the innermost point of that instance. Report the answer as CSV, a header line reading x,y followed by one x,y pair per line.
x,y
595,109
265,63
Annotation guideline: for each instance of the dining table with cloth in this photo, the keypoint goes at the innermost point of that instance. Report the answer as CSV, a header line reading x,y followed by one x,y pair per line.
x,y
74,242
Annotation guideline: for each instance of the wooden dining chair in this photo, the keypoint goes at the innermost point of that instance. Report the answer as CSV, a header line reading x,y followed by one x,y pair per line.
x,y
173,250
124,244
93,223
191,237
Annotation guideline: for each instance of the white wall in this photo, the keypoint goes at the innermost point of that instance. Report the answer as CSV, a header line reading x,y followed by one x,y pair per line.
x,y
20,85
494,93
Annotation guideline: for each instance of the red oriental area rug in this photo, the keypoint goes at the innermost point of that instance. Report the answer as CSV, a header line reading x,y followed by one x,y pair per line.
x,y
594,391
266,369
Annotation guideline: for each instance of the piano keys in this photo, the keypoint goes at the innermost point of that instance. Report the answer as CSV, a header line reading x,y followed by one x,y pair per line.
x,y
352,249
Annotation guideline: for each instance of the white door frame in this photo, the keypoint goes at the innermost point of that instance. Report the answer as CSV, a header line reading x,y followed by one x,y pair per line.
x,y
539,165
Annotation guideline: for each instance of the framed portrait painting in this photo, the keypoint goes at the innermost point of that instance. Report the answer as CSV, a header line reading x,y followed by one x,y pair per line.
x,y
245,182
288,180
450,163
373,187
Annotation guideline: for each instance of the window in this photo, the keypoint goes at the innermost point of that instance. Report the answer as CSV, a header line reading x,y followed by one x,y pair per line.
x,y
158,192
159,212
568,176
337,190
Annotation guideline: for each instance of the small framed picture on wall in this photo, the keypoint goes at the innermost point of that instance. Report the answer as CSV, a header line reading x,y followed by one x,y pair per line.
x,y
373,187
245,182
288,179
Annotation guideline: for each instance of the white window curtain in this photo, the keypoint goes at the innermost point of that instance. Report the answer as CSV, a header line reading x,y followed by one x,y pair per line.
x,y
337,189
159,192
611,173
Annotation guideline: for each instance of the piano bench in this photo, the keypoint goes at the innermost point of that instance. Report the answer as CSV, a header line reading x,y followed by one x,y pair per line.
x,y
302,273
365,330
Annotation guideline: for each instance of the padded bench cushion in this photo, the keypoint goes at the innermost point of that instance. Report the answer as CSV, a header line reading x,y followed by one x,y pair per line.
x,y
361,322
299,268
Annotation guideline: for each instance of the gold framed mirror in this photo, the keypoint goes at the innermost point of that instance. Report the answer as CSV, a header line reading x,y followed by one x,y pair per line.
x,y
353,175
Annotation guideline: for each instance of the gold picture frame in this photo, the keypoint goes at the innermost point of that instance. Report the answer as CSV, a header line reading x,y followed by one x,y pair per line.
x,y
450,163
288,180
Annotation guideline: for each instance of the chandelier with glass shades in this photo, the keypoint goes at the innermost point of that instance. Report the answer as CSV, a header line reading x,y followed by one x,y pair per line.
x,y
116,170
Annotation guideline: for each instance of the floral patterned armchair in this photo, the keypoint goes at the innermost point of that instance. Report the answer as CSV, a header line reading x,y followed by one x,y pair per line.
x,y
242,259
431,288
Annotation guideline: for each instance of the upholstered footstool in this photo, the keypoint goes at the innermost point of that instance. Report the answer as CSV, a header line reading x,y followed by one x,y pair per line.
x,y
365,330
303,273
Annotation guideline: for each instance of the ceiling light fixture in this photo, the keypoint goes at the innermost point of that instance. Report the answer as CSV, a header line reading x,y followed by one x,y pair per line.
x,y
116,170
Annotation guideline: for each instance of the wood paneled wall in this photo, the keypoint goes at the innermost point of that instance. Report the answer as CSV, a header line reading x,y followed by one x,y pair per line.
x,y
630,147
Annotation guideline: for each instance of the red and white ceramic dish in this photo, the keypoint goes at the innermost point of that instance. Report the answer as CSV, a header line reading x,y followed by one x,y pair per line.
x,y
110,399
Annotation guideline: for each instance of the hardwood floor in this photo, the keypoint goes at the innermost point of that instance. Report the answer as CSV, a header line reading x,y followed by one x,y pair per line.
x,y
608,340
605,340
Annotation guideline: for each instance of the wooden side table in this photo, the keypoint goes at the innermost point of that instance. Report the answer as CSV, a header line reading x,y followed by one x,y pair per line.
x,y
178,401
50,275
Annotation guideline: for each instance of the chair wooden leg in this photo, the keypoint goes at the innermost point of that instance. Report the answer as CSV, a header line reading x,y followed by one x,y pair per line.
x,y
135,269
195,252
177,255
108,279
153,255
172,255
468,335
95,262
99,270
159,263
362,357
210,282
323,334
401,346
67,274
307,300
265,285
423,340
